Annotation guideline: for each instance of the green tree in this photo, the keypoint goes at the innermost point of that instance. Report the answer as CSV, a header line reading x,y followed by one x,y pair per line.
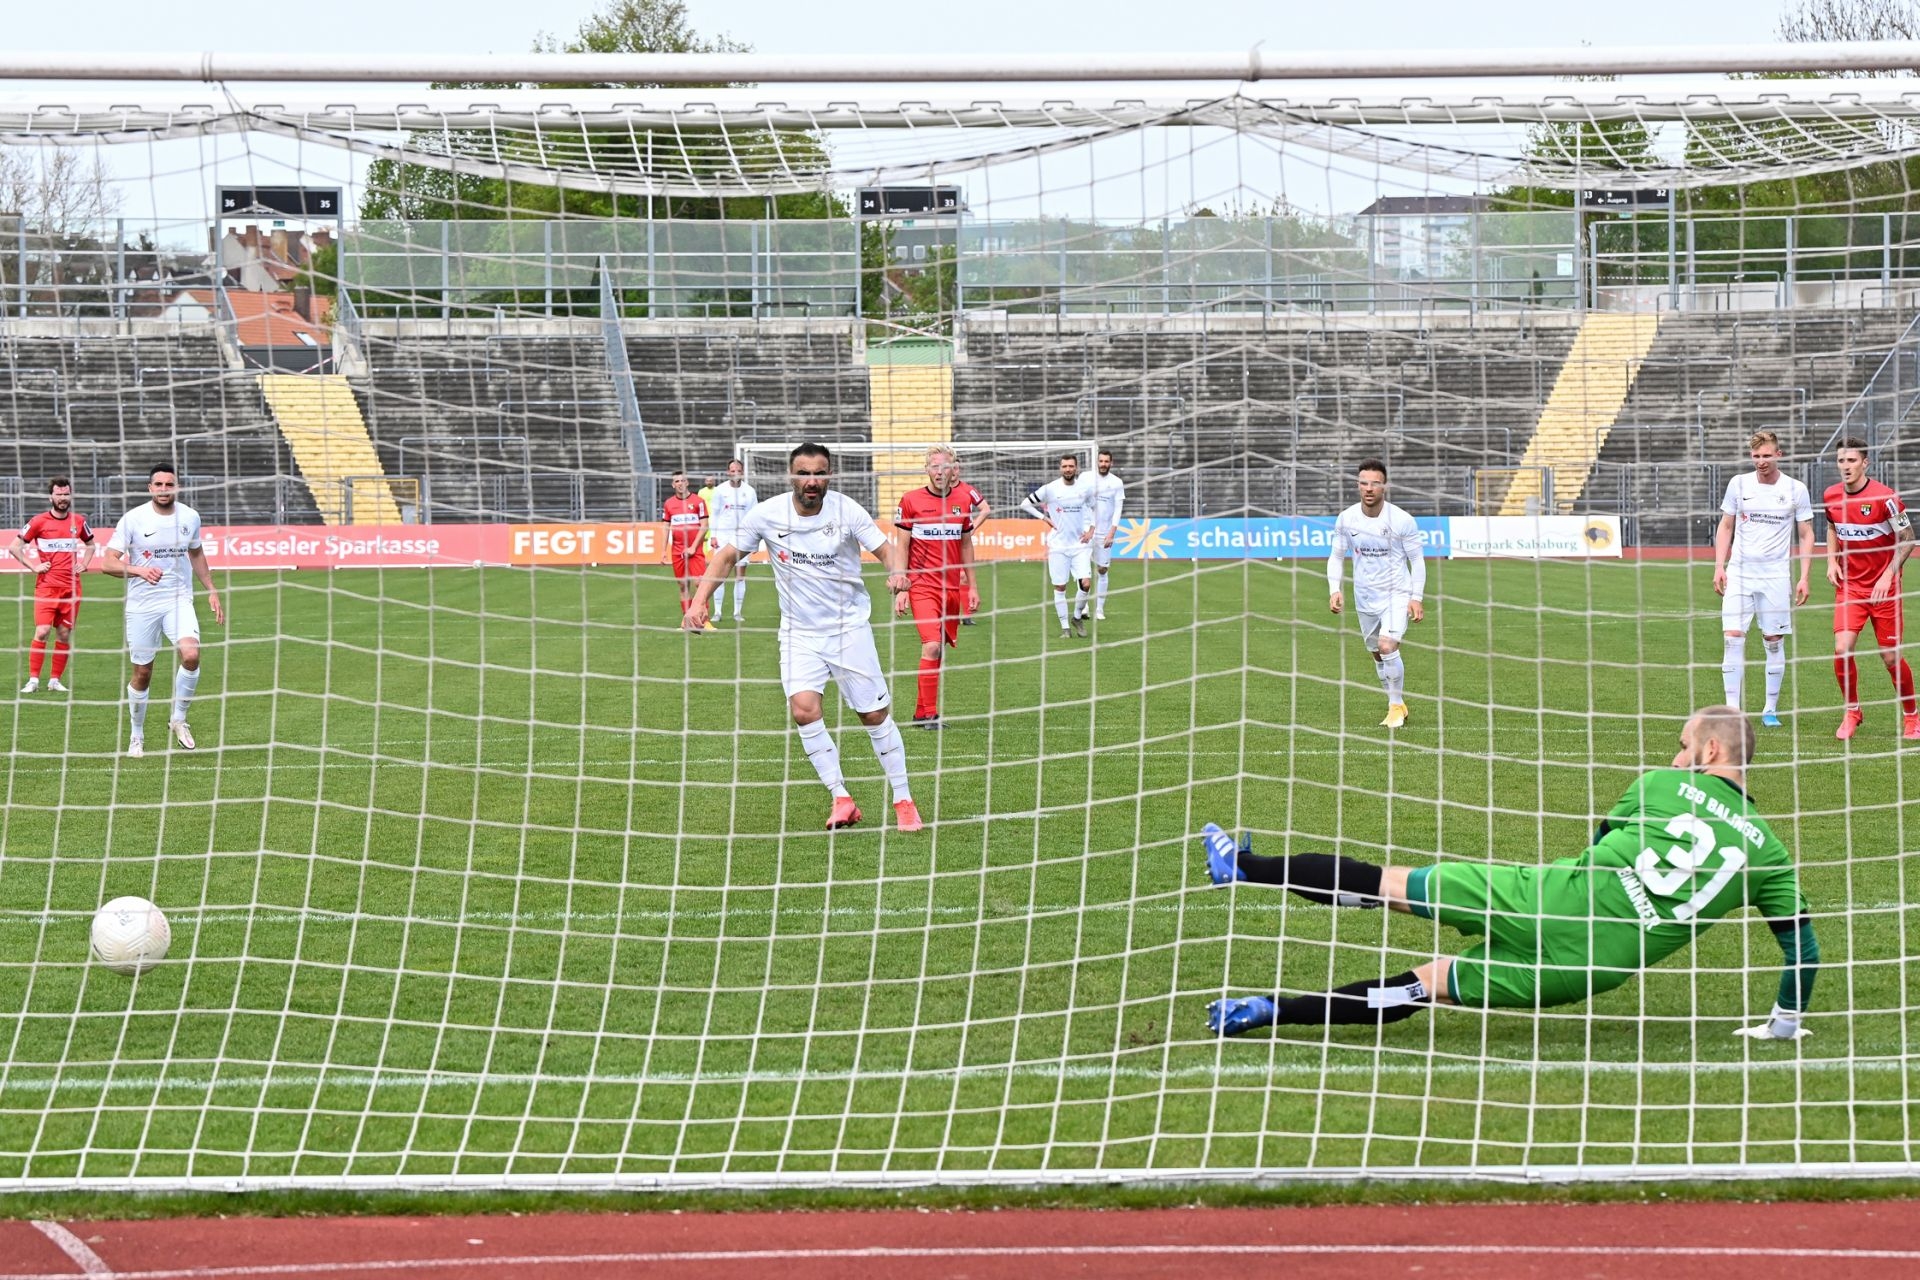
x,y
322,272
448,188
1839,211
1598,154
1590,148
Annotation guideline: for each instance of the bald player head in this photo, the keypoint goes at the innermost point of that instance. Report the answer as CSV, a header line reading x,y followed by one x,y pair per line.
x,y
1716,740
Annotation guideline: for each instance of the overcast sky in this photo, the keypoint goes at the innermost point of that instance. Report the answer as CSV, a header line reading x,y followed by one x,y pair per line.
x,y
174,181
968,26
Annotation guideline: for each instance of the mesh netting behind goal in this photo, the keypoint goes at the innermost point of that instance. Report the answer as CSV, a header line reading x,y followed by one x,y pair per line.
x,y
483,870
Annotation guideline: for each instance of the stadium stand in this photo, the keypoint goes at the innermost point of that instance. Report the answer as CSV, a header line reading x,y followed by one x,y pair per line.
x,y
1262,418
1709,382
499,427
104,409
1217,416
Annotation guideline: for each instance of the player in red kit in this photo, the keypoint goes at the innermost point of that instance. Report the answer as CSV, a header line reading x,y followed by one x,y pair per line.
x,y
936,524
57,545
978,513
686,539
1869,537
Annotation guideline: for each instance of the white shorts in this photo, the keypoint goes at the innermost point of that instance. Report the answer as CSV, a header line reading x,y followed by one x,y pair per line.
x,y
1066,566
146,629
1390,622
848,659
1770,599
1102,553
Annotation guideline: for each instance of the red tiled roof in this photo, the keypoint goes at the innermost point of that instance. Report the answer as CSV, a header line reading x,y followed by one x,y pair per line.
x,y
265,319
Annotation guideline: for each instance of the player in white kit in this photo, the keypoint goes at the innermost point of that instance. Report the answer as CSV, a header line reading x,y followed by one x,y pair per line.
x,y
814,538
1389,578
1067,506
731,502
1751,553
154,547
1109,496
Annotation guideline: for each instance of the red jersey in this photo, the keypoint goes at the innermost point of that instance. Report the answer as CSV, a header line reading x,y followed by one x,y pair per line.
x,y
57,540
974,498
937,525
1865,525
684,518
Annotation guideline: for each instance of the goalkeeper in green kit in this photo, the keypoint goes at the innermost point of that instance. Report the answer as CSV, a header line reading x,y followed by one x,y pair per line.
x,y
1683,848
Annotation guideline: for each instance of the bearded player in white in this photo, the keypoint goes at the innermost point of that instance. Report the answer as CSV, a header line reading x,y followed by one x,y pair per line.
x,y
1750,567
153,547
1109,496
1389,577
731,502
814,538
1067,506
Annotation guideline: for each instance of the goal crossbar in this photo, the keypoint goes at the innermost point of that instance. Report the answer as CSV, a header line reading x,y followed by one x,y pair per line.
x,y
1254,64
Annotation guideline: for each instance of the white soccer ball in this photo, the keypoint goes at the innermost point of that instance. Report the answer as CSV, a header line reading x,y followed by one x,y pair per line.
x,y
130,935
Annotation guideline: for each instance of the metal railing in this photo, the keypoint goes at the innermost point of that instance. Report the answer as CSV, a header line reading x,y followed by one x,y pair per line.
x,y
773,268
633,428
1888,399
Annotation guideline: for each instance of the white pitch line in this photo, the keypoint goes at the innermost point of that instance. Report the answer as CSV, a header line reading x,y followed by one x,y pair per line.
x,y
360,1078
881,1253
89,1262
202,763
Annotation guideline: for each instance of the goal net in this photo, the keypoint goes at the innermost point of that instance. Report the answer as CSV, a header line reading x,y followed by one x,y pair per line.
x,y
484,871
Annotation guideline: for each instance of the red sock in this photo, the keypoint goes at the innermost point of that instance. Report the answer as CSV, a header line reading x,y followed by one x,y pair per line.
x,y
928,702
1903,681
1847,672
684,605
61,651
36,654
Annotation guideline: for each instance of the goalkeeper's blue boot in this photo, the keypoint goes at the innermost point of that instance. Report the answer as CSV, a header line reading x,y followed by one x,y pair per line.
x,y
1223,862
1770,720
1237,1015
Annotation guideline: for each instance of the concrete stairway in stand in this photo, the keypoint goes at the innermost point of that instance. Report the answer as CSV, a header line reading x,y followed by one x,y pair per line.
x,y
1581,409
320,419
911,399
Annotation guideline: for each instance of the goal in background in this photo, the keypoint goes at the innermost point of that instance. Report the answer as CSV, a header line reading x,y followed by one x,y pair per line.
x,y
875,475
494,876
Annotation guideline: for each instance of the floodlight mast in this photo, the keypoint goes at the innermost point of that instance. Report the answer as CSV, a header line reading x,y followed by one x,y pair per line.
x,y
1252,65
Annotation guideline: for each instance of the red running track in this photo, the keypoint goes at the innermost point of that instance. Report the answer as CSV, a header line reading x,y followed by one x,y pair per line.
x,y
1431,1242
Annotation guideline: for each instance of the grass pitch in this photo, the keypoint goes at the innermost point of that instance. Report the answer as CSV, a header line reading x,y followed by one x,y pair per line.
x,y
493,872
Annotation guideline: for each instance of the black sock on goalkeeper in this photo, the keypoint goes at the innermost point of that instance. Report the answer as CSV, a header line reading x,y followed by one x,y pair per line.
x,y
1332,880
1368,1002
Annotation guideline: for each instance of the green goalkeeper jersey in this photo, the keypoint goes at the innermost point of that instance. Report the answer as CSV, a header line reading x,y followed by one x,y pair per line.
x,y
1679,851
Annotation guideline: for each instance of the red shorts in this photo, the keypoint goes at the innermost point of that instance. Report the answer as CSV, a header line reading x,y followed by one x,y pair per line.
x,y
1887,617
689,564
937,611
56,611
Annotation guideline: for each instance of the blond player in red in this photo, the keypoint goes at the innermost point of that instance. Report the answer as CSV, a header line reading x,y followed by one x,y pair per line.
x,y
57,545
686,515
1869,537
935,525
979,513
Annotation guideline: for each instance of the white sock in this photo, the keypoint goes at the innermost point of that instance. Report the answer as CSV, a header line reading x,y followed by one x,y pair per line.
x,y
1079,601
818,744
1060,607
1733,668
891,751
137,710
1393,676
1100,592
739,598
1776,670
719,601
184,683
